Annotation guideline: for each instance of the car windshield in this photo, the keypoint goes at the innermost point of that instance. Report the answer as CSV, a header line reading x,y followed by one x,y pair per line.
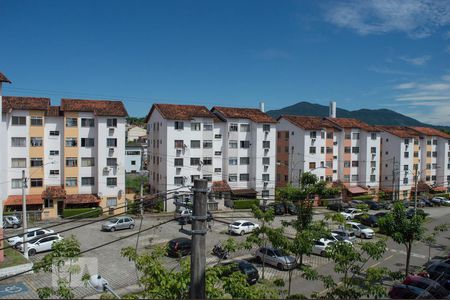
x,y
236,224
362,226
247,268
338,237
279,252
113,220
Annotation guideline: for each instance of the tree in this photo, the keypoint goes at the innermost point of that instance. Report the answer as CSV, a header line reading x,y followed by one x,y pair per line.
x,y
403,230
430,239
62,261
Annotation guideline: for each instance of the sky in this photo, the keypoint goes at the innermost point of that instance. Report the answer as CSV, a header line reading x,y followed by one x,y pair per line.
x,y
363,54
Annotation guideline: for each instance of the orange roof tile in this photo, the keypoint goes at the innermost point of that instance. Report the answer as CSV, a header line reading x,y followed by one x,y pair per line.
x,y
252,114
98,107
54,111
430,132
3,78
180,112
17,200
400,131
54,192
24,103
309,122
353,123
220,186
81,199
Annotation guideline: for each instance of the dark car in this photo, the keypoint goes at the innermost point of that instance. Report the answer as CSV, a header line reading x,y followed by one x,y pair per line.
x,y
427,202
403,291
419,212
179,247
279,208
355,203
244,267
291,208
368,220
337,206
440,271
385,204
431,286
373,205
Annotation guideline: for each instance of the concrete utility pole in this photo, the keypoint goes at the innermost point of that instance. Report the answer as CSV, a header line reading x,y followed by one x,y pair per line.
x,y
415,190
141,195
24,215
198,255
393,180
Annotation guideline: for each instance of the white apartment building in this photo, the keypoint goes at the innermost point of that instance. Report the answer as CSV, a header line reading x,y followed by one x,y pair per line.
x,y
133,158
134,133
73,155
187,142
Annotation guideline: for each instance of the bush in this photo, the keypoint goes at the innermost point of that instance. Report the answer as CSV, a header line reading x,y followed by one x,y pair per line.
x,y
363,197
90,212
445,195
245,203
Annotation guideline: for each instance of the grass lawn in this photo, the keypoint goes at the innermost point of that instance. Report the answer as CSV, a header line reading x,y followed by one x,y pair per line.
x,y
12,258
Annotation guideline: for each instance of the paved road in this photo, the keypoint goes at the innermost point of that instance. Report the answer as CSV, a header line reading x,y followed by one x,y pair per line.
x,y
121,273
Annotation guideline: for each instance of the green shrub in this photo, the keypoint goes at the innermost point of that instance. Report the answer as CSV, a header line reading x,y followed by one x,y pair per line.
x,y
90,212
363,197
445,195
245,203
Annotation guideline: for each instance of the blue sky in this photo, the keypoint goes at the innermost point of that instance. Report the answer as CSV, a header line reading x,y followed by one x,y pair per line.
x,y
363,54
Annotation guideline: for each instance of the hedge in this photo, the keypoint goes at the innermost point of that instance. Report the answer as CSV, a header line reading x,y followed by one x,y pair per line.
x,y
245,203
89,212
445,195
363,197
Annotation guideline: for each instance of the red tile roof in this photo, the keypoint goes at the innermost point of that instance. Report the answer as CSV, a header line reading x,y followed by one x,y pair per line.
x,y
243,192
181,112
400,131
24,103
17,200
98,107
54,111
54,192
81,199
309,123
252,114
430,132
3,78
220,186
353,123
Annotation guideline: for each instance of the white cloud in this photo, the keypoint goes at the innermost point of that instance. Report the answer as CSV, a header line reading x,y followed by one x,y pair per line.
x,y
446,77
406,85
418,19
416,61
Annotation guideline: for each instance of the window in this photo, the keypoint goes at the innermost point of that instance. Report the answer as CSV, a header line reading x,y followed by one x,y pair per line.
x,y
433,177
133,152
111,181
427,178
405,167
218,153
266,127
406,155
329,135
434,166
54,172
207,144
373,136
245,127
71,122
266,160
312,150
355,163
54,152
346,164
87,122
18,121
244,160
16,183
428,153
133,162
372,178
233,127
373,150
246,144
178,162
313,134
53,133
312,165
18,162
18,142
346,178
71,162
207,161
207,177
87,142
434,154
179,125
111,142
87,181
406,141
416,154
111,122
347,150
195,144
36,121
355,150
232,161
355,136
87,161
194,177
373,164
329,164
348,136
111,201
428,142
232,178
207,127
329,150
428,166
434,142
195,161
36,162
232,144
405,180
244,177
36,182
416,166
416,142
111,162
196,126
217,170
71,142
354,177
36,142
217,136
265,177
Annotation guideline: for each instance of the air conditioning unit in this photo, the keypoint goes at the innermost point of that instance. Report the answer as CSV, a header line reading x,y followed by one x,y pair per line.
x,y
266,166
266,183
111,149
313,140
178,151
111,129
266,132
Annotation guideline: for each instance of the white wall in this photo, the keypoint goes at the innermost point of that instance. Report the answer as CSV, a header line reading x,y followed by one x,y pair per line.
x,y
54,143
129,158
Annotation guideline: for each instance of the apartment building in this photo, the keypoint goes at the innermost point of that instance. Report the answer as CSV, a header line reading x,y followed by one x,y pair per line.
x,y
133,157
225,146
72,154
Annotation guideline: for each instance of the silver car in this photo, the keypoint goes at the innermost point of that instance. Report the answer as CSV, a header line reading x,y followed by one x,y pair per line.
x,y
276,258
114,224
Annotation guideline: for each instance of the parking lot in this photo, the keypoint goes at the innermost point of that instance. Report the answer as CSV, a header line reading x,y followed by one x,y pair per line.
x,y
122,273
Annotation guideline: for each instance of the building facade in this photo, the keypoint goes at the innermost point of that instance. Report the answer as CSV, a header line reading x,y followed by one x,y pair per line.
x,y
133,157
134,133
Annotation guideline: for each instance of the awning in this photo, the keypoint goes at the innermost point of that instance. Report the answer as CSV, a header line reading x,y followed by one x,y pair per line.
x,y
439,189
81,199
356,190
220,186
17,200
54,192
244,192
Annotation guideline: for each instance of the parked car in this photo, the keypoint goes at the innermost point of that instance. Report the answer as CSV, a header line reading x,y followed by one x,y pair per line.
x,y
437,200
348,235
431,286
445,202
291,208
361,231
336,238
385,205
183,213
419,212
439,269
117,223
31,234
278,207
11,222
350,213
40,244
244,267
403,291
355,203
179,247
337,206
242,227
373,205
276,258
368,220
321,246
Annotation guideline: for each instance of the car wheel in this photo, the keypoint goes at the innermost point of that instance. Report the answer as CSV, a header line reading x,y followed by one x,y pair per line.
x,y
131,226
31,252
258,259
113,229
242,232
363,236
323,253
280,267
15,226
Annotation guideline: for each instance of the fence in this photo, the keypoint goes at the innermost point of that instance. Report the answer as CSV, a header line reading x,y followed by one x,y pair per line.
x,y
32,215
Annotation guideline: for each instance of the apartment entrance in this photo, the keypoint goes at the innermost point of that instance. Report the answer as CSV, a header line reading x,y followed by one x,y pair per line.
x,y
60,207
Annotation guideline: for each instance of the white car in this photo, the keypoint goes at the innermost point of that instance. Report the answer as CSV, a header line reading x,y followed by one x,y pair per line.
x,y
337,238
361,231
242,227
350,213
183,213
320,247
40,244
32,233
445,201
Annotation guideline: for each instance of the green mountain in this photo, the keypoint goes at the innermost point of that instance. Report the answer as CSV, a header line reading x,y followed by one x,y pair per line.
x,y
370,116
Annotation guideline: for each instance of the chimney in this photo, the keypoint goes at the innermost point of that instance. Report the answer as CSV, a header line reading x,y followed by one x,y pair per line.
x,y
261,106
332,109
